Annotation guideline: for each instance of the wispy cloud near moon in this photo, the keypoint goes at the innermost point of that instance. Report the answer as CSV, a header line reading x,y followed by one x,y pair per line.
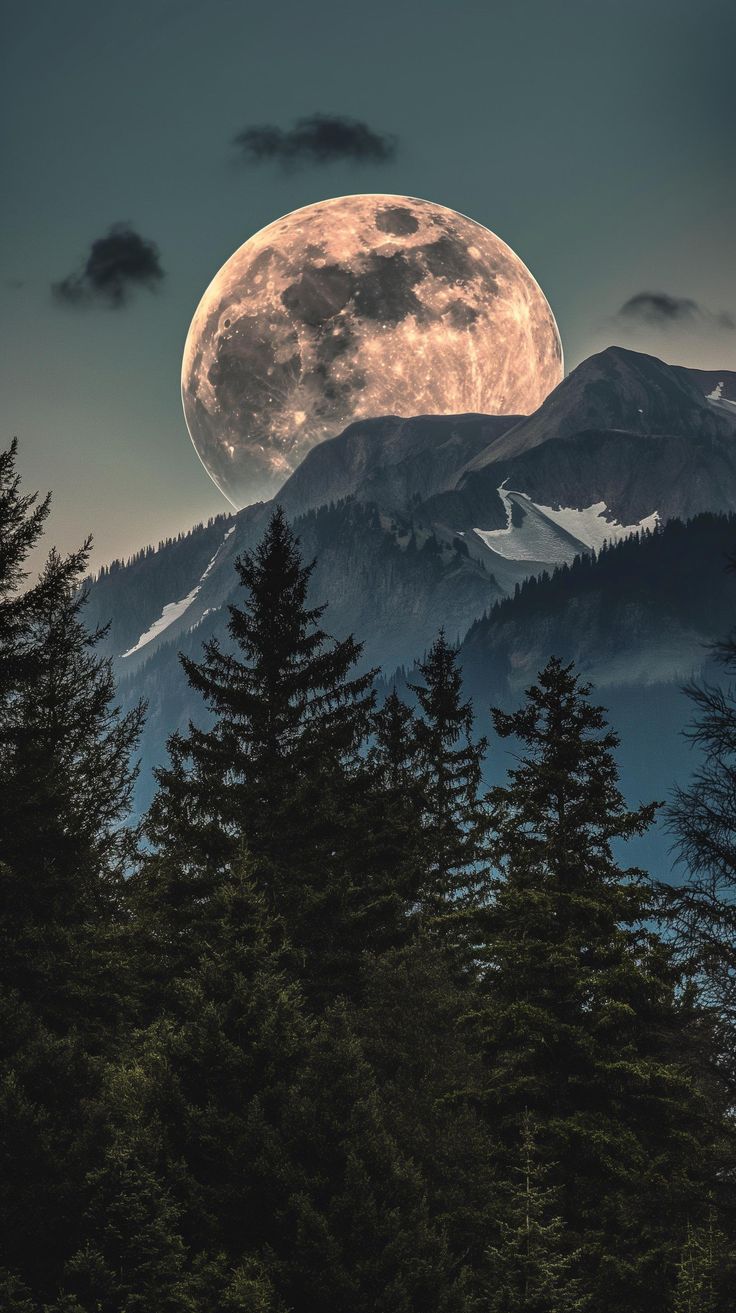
x,y
317,139
661,310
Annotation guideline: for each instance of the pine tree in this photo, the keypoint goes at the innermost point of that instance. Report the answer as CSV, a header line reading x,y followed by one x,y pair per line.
x,y
531,1268
22,519
272,1136
701,908
449,763
418,1025
281,771
65,781
65,789
364,1236
393,835
133,1258
699,1269
15,1296
584,1027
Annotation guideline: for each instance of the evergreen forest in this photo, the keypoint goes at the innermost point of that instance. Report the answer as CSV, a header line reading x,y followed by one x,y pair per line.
x,y
336,1028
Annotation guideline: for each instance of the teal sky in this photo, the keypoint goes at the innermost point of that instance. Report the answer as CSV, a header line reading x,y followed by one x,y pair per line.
x,y
594,136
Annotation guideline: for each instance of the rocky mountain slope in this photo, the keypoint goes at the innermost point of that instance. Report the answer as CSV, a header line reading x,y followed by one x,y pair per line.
x,y
417,523
638,622
397,463
624,438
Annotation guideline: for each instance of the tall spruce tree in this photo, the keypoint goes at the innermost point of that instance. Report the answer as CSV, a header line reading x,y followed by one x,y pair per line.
x,y
65,779
281,771
584,1028
22,518
66,782
449,763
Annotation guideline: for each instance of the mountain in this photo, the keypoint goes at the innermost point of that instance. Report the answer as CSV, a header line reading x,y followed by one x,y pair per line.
x,y
616,391
397,463
391,582
491,489
642,612
624,438
436,520
389,585
718,385
638,621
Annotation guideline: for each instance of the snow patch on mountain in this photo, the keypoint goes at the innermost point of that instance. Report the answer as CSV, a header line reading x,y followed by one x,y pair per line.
x,y
716,398
175,610
208,610
544,533
592,526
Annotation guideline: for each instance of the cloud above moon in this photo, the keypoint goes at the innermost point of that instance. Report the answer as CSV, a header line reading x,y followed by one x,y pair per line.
x,y
116,264
359,306
317,139
661,310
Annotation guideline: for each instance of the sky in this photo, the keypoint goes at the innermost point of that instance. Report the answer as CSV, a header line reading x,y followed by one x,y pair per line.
x,y
594,136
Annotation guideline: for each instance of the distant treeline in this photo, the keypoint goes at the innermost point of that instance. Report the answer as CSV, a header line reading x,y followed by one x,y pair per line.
x,y
338,1030
130,595
164,544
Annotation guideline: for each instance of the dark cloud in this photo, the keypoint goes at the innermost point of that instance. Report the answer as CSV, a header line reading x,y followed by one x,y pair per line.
x,y
660,310
116,264
318,139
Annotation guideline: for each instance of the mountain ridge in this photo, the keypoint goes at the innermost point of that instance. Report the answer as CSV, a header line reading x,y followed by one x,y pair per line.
x,y
411,531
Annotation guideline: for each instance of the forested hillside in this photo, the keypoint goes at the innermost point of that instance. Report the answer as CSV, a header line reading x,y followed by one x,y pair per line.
x,y
339,1028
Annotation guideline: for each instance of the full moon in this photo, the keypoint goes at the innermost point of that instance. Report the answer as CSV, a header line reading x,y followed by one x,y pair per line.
x,y
353,307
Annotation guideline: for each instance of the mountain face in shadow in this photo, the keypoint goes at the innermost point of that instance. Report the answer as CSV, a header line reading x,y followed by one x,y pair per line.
x,y
616,390
397,463
434,520
623,432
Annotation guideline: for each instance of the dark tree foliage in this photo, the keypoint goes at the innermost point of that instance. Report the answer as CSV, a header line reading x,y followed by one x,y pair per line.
x,y
351,1036
700,1286
254,1139
281,770
65,781
365,1235
65,789
584,1027
423,1042
394,796
22,519
702,816
448,762
530,1266
194,1174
